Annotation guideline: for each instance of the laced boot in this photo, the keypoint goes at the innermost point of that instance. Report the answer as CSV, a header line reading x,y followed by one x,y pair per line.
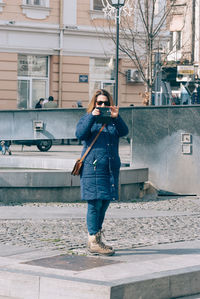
x,y
97,247
101,233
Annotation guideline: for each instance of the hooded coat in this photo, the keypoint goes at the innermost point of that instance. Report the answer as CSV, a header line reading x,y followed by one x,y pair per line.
x,y
100,171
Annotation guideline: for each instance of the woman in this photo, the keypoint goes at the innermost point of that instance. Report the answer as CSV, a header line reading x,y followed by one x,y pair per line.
x,y
100,172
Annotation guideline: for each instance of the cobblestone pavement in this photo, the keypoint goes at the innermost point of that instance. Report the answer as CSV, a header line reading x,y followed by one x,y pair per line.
x,y
70,234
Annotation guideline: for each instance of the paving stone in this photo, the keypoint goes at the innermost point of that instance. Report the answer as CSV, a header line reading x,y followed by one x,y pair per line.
x,y
181,223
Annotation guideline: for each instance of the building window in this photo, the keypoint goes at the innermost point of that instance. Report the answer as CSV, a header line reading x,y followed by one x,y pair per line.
x,y
2,4
175,41
96,9
33,81
101,75
97,5
36,9
36,2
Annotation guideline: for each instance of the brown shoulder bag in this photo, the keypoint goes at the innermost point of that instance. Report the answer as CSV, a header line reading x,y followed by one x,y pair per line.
x,y
79,162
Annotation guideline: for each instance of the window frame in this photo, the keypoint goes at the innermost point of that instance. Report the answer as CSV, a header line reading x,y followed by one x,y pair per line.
x,y
32,78
102,78
35,11
93,6
43,3
94,13
2,4
175,41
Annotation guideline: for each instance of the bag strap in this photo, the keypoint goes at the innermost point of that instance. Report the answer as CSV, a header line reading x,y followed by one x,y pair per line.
x,y
91,145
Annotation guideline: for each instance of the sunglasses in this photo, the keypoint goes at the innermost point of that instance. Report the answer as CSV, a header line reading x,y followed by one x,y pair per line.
x,y
100,103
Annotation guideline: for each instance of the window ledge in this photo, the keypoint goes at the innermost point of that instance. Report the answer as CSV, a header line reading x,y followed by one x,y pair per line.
x,y
2,6
36,12
96,14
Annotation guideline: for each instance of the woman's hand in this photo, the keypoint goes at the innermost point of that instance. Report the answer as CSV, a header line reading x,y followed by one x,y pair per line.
x,y
114,111
96,112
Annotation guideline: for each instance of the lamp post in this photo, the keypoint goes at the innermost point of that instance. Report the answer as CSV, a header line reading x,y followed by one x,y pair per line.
x,y
117,4
116,7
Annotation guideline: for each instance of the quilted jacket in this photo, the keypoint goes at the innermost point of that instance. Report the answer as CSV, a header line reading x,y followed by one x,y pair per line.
x,y
100,172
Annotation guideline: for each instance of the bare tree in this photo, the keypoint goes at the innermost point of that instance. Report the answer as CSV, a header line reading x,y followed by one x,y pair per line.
x,y
143,34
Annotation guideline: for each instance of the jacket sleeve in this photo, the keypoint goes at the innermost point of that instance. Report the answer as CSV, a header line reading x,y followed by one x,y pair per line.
x,y
83,128
121,126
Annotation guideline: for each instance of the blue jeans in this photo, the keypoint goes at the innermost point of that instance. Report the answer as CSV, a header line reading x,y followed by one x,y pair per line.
x,y
95,215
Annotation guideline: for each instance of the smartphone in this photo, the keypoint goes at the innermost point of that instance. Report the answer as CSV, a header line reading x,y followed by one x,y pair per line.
x,y
105,115
105,111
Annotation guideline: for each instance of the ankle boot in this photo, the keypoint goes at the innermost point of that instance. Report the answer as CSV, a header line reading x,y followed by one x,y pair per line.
x,y
97,247
101,233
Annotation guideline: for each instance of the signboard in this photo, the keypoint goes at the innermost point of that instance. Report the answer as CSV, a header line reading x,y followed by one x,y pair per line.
x,y
32,65
83,78
185,73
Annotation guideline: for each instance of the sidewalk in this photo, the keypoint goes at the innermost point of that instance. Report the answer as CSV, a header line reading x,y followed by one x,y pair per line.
x,y
72,151
43,251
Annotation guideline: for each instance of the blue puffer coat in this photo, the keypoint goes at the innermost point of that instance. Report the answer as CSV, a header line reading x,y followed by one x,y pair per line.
x,y
100,172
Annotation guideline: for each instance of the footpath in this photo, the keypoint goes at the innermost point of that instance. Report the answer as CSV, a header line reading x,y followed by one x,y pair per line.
x,y
43,252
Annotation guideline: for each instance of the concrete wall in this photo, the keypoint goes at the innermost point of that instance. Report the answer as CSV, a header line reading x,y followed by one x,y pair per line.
x,y
157,145
156,139
58,123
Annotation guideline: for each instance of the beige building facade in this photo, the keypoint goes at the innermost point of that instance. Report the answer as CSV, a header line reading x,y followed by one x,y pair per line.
x,y
182,67
184,26
58,48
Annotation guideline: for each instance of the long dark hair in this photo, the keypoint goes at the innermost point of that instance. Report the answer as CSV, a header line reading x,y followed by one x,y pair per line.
x,y
99,92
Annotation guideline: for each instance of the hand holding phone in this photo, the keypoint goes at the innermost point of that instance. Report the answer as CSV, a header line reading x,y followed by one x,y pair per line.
x,y
114,111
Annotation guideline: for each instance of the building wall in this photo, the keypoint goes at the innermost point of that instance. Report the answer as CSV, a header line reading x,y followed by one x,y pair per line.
x,y
54,76
83,38
130,92
181,20
72,90
83,15
8,80
13,11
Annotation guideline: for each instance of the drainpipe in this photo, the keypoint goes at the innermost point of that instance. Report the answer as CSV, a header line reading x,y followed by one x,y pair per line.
x,y
61,29
193,31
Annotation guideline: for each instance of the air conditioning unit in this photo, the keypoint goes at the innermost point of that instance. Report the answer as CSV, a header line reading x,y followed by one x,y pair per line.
x,y
133,75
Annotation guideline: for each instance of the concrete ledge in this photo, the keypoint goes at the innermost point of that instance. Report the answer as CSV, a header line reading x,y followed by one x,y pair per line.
x,y
157,278
36,162
19,185
163,285
61,178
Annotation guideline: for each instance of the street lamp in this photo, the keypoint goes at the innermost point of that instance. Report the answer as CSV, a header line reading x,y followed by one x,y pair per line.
x,y
116,7
117,4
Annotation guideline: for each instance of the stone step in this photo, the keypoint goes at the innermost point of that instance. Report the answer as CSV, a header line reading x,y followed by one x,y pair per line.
x,y
128,274
188,297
